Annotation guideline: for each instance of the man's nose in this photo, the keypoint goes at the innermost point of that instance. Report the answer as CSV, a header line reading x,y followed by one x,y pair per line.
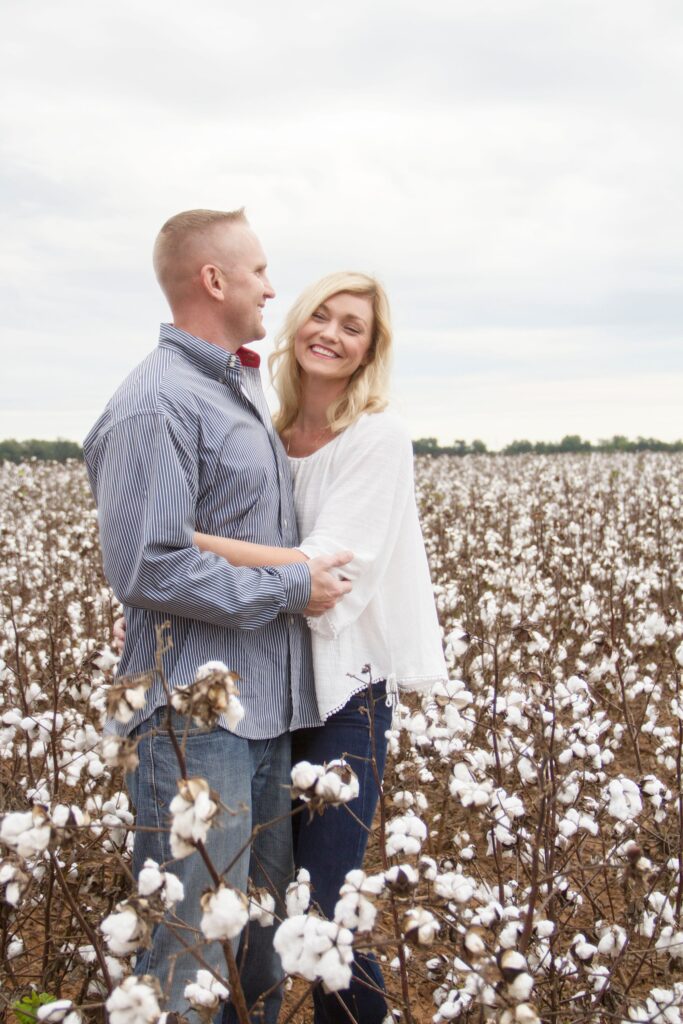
x,y
268,290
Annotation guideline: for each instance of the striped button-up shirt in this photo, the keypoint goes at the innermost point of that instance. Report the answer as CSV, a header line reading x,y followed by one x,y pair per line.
x,y
186,444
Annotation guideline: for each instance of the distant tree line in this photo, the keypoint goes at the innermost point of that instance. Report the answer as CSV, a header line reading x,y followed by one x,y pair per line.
x,y
59,450
430,446
569,443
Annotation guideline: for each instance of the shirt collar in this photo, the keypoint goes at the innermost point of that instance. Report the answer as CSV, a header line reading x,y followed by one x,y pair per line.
x,y
207,357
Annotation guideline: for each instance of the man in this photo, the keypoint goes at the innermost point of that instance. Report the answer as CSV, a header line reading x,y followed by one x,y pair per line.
x,y
186,444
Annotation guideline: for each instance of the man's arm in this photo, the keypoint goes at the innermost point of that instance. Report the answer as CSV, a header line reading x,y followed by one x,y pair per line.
x,y
146,490
326,589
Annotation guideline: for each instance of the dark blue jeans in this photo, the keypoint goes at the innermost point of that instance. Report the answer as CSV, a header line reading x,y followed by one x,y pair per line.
x,y
334,842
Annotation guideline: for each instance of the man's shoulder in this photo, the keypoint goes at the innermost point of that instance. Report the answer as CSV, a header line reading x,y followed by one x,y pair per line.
x,y
158,386
163,382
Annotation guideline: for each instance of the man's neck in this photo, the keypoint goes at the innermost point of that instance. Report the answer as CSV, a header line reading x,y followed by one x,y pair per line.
x,y
207,330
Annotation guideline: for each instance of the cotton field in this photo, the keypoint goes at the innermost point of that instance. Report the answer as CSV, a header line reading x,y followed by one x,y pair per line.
x,y
526,862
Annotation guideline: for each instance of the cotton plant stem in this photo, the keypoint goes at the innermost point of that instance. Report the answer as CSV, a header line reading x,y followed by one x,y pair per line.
x,y
89,931
494,715
533,894
236,991
679,787
299,1003
47,931
403,969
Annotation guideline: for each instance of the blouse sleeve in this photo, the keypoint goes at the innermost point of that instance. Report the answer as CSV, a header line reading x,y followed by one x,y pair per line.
x,y
361,511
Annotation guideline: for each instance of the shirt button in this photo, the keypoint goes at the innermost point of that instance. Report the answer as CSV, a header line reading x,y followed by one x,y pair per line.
x,y
291,620
284,522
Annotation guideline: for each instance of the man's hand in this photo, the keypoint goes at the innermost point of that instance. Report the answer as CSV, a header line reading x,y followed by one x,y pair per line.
x,y
326,588
119,637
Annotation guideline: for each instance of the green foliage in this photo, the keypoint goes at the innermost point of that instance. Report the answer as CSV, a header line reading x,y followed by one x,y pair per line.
x,y
430,446
58,451
26,1008
574,443
570,443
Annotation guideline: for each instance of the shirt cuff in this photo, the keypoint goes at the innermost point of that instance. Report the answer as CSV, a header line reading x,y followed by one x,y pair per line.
x,y
296,581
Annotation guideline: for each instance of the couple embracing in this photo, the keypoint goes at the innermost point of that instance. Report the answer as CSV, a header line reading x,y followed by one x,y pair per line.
x,y
288,550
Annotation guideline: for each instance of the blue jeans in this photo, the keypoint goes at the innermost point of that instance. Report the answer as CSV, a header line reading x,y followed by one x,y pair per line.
x,y
251,778
334,842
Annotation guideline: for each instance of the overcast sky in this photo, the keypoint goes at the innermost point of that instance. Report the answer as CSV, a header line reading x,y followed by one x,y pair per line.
x,y
511,169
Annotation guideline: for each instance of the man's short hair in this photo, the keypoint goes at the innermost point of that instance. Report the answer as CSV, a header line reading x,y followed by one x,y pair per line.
x,y
180,230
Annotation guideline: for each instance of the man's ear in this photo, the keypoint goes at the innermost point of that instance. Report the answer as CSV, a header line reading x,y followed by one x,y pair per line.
x,y
212,280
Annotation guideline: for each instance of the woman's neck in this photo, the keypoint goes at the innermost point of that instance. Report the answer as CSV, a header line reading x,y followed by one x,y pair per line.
x,y
310,430
316,398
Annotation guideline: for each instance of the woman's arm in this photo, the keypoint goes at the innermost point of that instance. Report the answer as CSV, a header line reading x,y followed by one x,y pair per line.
x,y
246,554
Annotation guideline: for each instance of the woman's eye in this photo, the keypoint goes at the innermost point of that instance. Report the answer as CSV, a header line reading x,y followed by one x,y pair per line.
x,y
317,316
352,330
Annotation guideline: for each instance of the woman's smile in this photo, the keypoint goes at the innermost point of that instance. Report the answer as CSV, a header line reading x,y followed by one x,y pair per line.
x,y
320,350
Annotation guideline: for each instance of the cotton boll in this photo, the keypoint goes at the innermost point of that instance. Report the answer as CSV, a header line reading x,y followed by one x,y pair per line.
x,y
453,886
457,642
225,913
13,883
298,895
261,907
526,1014
582,949
509,935
511,963
206,992
521,987
315,949
625,800
405,835
355,912
612,940
305,775
152,879
193,811
26,832
123,930
134,1001
474,942
420,926
401,878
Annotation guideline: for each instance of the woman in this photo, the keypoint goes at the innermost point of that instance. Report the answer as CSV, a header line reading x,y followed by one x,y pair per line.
x,y
352,471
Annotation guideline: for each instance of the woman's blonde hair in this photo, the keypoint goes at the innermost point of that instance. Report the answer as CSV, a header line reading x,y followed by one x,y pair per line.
x,y
367,389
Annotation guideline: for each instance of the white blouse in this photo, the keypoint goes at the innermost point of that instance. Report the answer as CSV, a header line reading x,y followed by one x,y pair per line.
x,y
357,493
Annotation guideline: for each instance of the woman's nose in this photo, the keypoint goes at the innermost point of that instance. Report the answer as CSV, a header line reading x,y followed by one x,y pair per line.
x,y
329,330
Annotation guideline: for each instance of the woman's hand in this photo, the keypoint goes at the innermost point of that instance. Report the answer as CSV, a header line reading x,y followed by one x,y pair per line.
x,y
119,638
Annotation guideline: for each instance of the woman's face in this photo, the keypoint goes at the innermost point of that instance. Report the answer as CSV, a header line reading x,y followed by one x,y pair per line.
x,y
335,340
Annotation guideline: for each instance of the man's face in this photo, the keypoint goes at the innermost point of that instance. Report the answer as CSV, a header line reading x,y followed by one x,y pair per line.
x,y
242,263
